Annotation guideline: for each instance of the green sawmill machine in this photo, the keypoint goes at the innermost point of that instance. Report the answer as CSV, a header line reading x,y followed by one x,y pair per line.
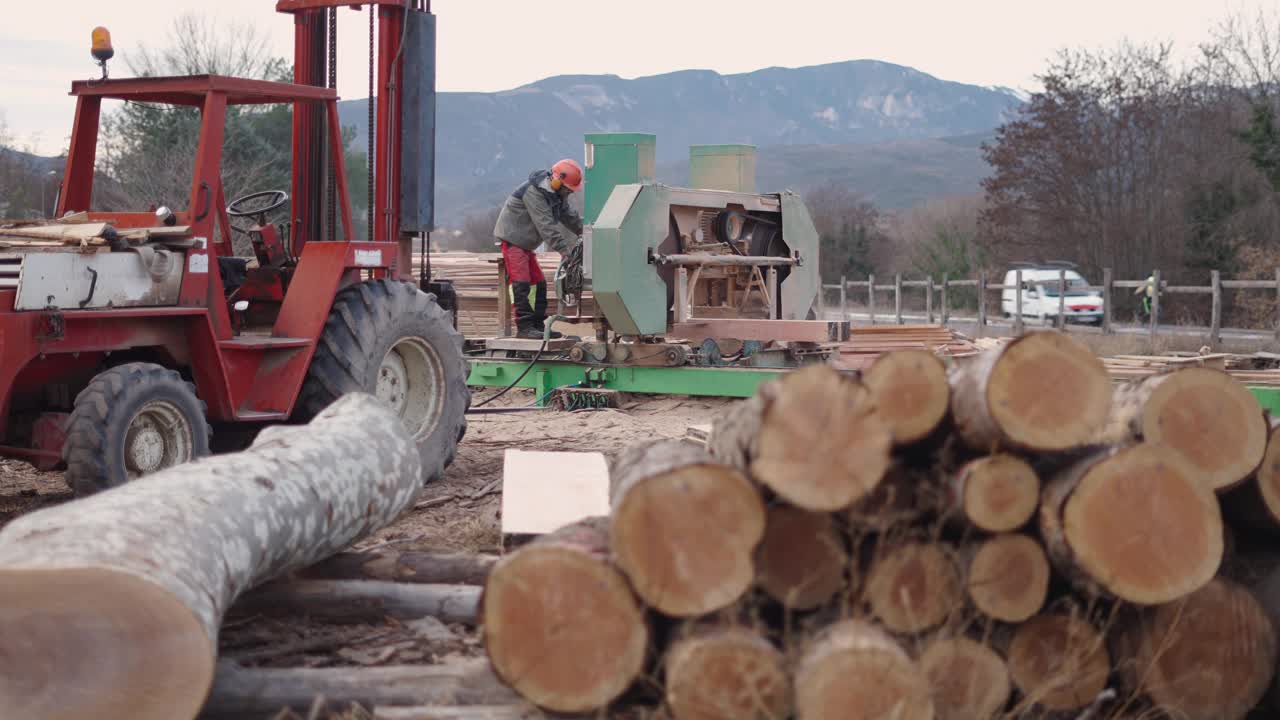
x,y
709,275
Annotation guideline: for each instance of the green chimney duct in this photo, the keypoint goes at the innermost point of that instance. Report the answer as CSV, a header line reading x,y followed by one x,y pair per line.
x,y
614,159
723,167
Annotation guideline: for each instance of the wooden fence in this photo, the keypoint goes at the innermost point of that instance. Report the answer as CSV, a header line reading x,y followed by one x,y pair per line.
x,y
983,287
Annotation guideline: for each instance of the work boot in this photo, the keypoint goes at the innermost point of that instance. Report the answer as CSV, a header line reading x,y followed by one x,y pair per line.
x,y
529,333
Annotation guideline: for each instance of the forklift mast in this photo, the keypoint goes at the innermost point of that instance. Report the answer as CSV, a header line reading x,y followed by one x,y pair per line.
x,y
401,125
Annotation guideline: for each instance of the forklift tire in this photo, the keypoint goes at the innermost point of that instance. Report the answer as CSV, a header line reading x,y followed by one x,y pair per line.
x,y
391,340
131,421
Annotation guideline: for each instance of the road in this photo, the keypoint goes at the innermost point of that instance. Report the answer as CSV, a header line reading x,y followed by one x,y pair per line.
x,y
1001,326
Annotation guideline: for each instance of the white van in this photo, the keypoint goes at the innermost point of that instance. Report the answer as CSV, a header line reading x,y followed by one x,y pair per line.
x,y
1040,295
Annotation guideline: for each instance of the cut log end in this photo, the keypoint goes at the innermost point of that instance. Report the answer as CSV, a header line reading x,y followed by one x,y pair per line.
x,y
1268,478
997,493
801,561
911,393
1008,578
99,643
1210,656
821,443
726,674
1058,662
1141,524
563,628
854,670
1047,391
685,537
913,587
1212,420
970,680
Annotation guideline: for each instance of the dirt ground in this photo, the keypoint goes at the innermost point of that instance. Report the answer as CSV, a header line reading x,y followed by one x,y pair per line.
x,y
461,512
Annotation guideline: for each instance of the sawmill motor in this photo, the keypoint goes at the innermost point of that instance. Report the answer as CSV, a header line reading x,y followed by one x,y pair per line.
x,y
711,270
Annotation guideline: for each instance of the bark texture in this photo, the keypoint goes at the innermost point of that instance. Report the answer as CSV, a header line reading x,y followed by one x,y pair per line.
x,y
356,601
561,624
910,391
1135,523
125,590
404,566
1255,504
1203,414
813,437
1043,391
683,527
250,692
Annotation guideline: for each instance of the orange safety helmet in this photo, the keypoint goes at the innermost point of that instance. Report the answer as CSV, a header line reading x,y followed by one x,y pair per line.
x,y
568,173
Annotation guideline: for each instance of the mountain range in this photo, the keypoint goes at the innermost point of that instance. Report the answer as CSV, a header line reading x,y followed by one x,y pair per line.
x,y
897,135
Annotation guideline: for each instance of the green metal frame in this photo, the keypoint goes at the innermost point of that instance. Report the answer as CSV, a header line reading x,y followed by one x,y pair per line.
x,y
548,375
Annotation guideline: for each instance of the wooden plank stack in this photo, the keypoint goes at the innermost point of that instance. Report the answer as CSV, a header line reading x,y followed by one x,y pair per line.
x,y
475,279
867,343
1008,536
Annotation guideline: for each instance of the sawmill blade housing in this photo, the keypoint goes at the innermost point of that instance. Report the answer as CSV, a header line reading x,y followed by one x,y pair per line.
x,y
658,258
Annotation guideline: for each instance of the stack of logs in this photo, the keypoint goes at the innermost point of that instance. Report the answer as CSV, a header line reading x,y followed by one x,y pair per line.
x,y
1011,536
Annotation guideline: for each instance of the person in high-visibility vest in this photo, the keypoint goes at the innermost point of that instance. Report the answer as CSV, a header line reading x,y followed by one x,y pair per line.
x,y
1149,286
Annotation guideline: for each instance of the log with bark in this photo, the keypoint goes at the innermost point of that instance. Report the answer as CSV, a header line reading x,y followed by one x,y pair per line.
x,y
359,601
802,560
1043,391
1137,523
435,568
853,669
240,692
1203,414
1007,577
813,437
914,586
111,604
561,624
995,493
969,680
725,672
911,394
1058,661
683,527
1209,656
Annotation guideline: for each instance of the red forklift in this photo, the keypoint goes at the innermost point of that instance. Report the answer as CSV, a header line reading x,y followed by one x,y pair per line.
x,y
143,341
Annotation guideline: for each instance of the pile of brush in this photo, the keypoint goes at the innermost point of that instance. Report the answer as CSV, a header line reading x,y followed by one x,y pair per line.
x,y
1009,536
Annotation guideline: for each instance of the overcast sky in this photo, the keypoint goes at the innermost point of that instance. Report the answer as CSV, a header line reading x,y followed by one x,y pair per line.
x,y
499,44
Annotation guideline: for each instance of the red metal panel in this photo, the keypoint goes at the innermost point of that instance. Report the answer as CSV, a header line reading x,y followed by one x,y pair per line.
x,y
301,124
223,246
387,196
202,283
77,180
288,6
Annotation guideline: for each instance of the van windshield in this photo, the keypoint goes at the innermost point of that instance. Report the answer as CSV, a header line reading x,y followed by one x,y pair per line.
x,y
1076,287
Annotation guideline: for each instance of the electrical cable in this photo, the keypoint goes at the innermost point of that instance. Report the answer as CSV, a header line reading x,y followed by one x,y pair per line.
x,y
546,337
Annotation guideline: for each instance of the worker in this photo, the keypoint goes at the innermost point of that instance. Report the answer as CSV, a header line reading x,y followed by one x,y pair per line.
x,y
1148,285
538,212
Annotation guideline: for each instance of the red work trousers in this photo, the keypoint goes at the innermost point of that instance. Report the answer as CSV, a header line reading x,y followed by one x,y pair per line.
x,y
522,265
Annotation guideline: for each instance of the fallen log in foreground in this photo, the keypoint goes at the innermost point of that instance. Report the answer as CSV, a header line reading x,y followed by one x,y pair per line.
x,y
404,566
355,601
111,604
257,692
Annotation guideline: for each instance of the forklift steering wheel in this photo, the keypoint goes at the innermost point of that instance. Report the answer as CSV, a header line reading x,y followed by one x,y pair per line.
x,y
279,198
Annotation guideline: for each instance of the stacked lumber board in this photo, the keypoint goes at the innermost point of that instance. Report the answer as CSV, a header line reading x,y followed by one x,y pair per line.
x,y
1241,367
866,343
1010,536
77,232
475,279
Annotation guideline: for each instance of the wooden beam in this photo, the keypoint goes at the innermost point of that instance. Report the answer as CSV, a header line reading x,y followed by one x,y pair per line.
x,y
543,491
819,331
